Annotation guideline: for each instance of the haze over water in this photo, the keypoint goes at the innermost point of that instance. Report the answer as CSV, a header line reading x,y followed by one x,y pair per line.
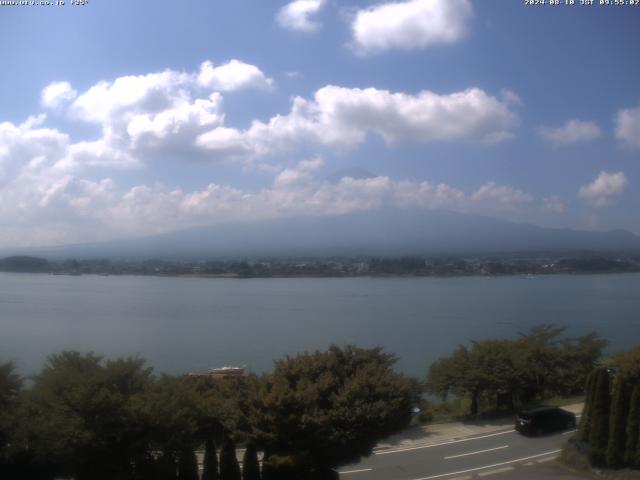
x,y
191,324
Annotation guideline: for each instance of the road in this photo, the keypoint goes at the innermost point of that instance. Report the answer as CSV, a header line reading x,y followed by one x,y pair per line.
x,y
501,454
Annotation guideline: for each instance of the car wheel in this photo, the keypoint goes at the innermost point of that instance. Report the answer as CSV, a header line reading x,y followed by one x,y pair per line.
x,y
571,424
538,432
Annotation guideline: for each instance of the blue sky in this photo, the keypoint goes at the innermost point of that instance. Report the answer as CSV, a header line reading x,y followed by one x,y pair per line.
x,y
122,119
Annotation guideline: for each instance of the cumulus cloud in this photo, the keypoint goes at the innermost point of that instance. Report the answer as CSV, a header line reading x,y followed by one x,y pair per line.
x,y
57,94
231,76
342,117
301,173
99,153
501,197
628,127
603,191
298,15
574,131
28,147
44,199
410,24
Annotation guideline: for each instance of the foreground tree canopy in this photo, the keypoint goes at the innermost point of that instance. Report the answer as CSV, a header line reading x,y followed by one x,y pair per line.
x,y
506,373
85,417
329,408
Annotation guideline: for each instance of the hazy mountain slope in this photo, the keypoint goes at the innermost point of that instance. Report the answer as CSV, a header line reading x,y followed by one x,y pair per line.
x,y
386,232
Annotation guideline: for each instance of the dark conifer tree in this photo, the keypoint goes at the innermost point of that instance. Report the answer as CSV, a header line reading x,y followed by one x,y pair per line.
x,y
250,466
632,450
166,467
187,465
210,466
229,467
618,423
599,430
585,421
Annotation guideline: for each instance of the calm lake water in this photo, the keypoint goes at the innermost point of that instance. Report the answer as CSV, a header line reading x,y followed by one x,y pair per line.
x,y
187,324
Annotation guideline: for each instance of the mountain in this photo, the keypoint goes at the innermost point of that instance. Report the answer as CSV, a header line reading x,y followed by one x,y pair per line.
x,y
381,232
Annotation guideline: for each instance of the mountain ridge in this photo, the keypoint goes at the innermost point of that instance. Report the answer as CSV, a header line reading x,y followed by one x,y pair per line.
x,y
381,232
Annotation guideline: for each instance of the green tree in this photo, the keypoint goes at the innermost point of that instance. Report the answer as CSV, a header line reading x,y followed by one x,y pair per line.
x,y
250,465
519,371
229,467
10,387
326,409
632,448
81,418
210,464
170,412
599,431
618,423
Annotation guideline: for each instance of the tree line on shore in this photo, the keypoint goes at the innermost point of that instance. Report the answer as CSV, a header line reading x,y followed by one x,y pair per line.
x,y
504,374
86,417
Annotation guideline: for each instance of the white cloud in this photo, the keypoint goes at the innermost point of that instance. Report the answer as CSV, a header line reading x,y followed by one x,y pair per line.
x,y
410,24
164,112
628,127
604,189
43,200
501,197
554,204
298,15
234,75
57,94
342,117
106,102
181,121
27,147
98,153
301,173
574,131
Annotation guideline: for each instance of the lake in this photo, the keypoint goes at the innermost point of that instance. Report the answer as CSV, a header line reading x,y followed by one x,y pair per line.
x,y
191,324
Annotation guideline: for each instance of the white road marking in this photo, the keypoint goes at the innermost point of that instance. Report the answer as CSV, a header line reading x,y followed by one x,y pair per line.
x,y
356,471
387,452
548,459
497,470
475,453
490,466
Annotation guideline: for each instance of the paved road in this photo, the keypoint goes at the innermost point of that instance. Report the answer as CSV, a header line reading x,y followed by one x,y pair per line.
x,y
496,454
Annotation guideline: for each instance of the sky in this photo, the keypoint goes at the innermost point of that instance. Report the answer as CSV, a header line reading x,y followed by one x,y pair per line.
x,y
122,119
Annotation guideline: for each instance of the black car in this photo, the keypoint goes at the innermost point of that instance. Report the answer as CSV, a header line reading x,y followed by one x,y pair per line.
x,y
544,419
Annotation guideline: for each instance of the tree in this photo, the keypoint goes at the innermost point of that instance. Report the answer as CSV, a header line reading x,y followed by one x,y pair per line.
x,y
250,465
632,448
519,371
585,422
187,465
326,409
229,468
170,412
599,431
618,423
10,387
210,464
80,415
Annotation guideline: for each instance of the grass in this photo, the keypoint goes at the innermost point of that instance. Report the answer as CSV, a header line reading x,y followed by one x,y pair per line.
x,y
457,409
